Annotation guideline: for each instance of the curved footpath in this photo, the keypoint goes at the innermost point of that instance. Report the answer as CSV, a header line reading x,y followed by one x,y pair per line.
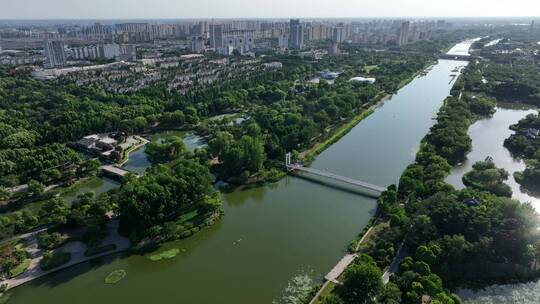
x,y
77,250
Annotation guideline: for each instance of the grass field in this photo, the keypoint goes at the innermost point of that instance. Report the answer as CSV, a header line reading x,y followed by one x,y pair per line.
x,y
369,68
20,268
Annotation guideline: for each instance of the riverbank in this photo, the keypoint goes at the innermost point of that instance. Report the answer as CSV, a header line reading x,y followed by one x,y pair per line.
x,y
309,155
141,142
329,284
77,250
315,221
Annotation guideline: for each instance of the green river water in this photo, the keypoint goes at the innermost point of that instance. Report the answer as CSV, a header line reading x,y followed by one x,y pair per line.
x,y
269,234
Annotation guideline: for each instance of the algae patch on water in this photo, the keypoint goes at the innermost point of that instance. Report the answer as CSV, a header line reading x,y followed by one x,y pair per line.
x,y
115,276
165,255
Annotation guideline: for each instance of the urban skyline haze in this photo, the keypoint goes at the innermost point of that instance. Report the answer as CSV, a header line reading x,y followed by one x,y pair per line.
x,y
126,9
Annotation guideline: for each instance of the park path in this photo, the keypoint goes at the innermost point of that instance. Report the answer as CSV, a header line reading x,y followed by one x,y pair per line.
x,y
402,253
76,249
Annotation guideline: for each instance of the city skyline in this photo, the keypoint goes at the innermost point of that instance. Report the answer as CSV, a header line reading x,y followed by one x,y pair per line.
x,y
144,9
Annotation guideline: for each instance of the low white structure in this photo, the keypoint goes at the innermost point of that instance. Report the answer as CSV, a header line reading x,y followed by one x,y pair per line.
x,y
363,79
274,65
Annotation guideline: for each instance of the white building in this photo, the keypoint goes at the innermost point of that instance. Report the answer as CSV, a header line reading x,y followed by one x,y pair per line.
x,y
55,53
241,41
283,42
198,44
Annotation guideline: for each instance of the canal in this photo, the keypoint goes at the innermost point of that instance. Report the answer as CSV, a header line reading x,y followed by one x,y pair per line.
x,y
270,234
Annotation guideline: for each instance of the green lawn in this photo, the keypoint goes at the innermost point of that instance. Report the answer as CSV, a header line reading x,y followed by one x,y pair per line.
x,y
20,268
326,291
188,216
369,68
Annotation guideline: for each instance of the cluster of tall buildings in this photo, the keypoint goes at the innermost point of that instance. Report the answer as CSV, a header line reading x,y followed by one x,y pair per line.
x,y
57,54
296,35
410,33
138,32
119,41
225,40
126,52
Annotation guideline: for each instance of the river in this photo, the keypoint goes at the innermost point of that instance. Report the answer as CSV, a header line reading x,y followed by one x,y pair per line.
x,y
487,136
269,234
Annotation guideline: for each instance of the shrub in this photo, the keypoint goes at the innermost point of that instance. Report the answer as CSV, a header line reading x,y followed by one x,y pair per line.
x,y
50,240
54,259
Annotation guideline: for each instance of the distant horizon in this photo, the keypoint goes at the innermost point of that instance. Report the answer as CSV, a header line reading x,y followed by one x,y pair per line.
x,y
530,18
262,9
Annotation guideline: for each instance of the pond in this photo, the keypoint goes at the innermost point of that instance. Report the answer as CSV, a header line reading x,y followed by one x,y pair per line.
x,y
138,159
488,136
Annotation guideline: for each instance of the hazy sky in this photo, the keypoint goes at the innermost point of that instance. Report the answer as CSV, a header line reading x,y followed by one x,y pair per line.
x,y
114,9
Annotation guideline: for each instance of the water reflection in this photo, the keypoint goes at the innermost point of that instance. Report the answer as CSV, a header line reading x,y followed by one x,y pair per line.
x,y
488,136
504,294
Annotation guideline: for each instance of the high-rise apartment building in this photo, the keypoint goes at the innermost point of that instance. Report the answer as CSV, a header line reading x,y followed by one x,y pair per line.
x,y
197,44
239,40
216,36
283,41
55,53
338,34
296,35
403,35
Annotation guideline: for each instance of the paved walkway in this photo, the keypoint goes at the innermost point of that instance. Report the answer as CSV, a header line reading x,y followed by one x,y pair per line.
x,y
402,253
76,249
340,267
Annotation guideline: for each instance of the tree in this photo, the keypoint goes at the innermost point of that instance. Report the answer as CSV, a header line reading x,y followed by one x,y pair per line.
x,y
35,188
332,299
163,195
362,283
171,149
4,194
422,230
390,294
245,155
54,212
487,177
220,143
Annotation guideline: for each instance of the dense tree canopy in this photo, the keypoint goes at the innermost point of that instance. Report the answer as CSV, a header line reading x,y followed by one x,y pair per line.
x,y
163,195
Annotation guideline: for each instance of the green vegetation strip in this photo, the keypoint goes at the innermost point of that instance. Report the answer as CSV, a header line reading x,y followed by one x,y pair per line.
x,y
342,131
19,269
326,292
165,255
53,260
115,276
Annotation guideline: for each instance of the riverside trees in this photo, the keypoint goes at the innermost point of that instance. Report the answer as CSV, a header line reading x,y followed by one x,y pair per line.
x,y
152,206
524,143
456,238
487,177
